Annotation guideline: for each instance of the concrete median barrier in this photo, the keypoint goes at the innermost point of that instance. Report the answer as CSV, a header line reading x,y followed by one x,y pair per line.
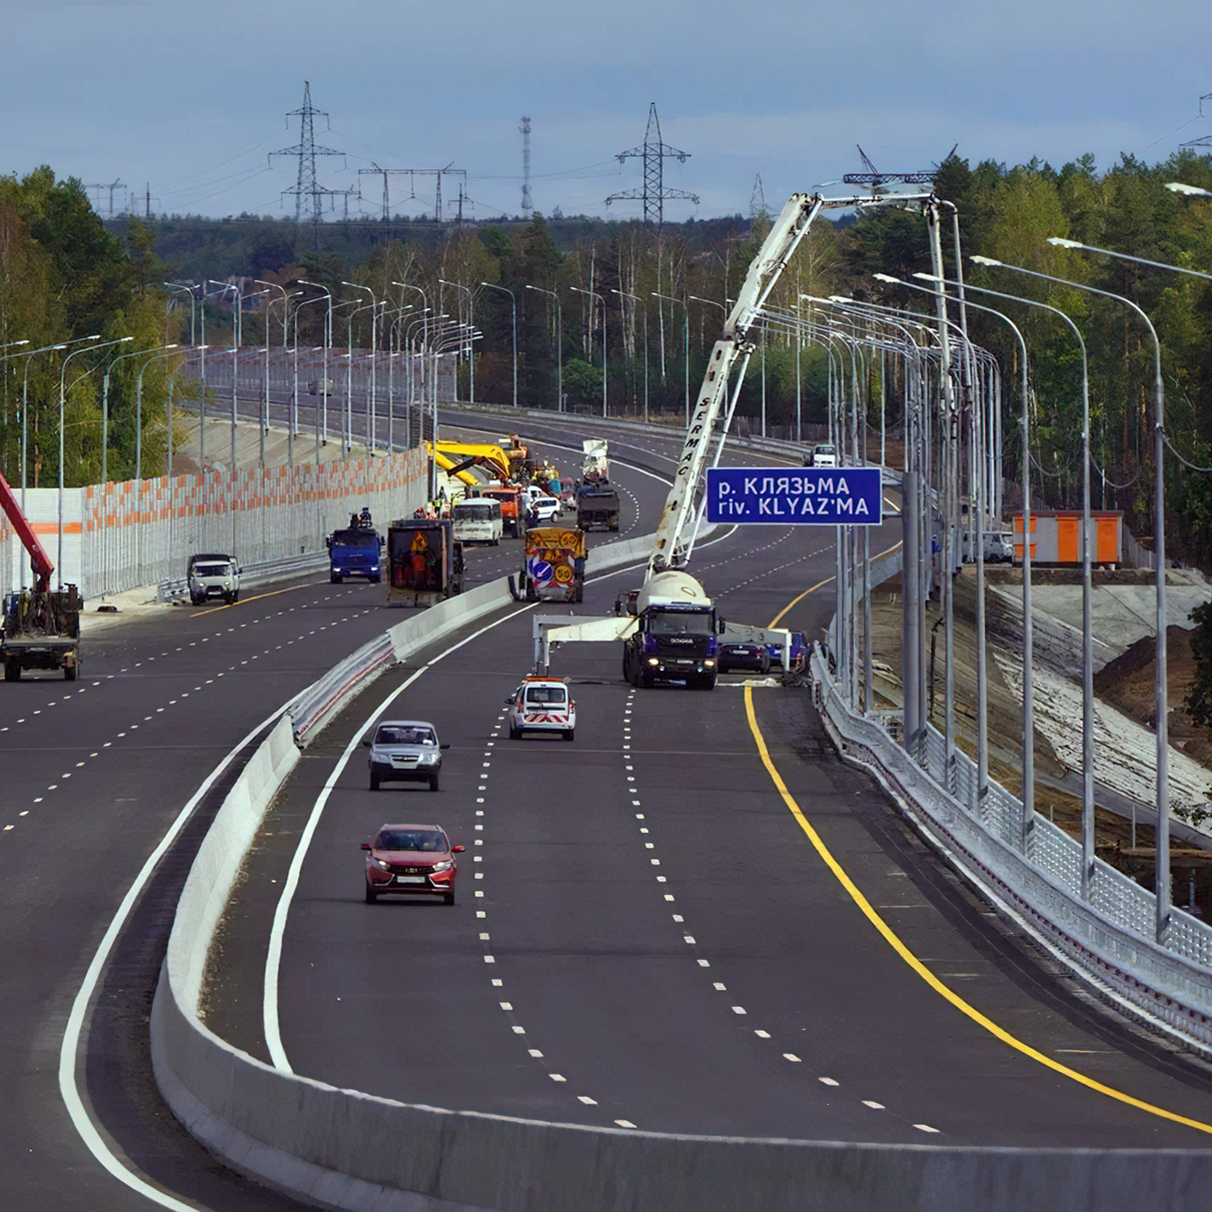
x,y
345,1149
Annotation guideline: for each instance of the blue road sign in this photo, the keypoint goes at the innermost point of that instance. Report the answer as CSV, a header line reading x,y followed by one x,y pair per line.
x,y
781,496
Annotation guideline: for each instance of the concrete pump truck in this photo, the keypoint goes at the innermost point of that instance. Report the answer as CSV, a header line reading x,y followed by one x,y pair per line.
x,y
669,626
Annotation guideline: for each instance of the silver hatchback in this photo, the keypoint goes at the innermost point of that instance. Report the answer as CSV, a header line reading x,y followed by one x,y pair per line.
x,y
406,751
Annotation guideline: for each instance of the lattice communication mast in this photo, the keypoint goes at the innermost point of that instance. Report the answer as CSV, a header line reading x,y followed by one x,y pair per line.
x,y
307,185
527,204
653,153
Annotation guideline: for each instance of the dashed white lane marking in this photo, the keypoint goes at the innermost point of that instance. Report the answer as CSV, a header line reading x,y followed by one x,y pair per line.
x,y
873,1105
925,1128
827,1081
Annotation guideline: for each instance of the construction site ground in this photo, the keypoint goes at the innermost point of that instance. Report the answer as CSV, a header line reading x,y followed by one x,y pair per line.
x,y
1123,609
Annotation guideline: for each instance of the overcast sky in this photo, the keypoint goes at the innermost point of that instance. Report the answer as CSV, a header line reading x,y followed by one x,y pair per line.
x,y
188,98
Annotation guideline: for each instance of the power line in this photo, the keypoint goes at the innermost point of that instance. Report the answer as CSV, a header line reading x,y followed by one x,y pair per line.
x,y
653,153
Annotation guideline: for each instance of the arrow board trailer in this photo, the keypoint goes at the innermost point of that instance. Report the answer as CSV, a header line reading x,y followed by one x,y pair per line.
x,y
808,496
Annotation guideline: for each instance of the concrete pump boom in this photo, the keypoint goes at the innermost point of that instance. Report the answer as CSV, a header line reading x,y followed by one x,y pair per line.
x,y
39,560
669,548
669,545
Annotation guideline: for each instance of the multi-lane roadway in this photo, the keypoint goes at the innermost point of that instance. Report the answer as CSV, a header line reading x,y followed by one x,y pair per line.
x,y
663,938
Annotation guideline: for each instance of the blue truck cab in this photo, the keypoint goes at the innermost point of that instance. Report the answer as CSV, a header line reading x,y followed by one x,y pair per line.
x,y
356,551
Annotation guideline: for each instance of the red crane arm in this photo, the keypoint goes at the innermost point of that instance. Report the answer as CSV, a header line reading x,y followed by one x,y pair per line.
x,y
25,532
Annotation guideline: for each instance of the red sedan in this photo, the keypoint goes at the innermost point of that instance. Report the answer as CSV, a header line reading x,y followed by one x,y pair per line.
x,y
409,859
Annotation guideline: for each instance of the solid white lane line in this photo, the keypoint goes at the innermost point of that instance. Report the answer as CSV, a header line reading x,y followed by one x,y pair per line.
x,y
69,1048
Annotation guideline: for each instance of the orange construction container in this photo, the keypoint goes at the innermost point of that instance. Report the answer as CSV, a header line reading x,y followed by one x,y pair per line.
x,y
1056,536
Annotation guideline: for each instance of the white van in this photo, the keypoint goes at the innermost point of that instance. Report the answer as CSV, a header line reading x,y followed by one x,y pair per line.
x,y
477,520
998,546
824,455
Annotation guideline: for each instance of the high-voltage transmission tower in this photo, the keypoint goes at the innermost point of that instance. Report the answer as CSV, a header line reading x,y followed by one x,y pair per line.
x,y
877,180
527,205
308,185
757,200
1203,140
412,174
654,154
112,186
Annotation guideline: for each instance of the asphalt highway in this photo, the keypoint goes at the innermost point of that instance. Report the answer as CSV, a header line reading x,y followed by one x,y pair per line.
x,y
95,773
646,935
660,945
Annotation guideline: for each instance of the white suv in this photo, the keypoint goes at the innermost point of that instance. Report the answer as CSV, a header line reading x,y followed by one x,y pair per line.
x,y
213,575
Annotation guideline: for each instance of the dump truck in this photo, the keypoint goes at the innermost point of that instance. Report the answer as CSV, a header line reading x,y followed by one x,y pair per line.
x,y
41,628
355,551
513,510
598,507
424,561
553,569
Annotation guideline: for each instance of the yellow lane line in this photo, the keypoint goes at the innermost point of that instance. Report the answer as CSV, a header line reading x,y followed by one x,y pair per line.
x,y
774,622
894,941
273,593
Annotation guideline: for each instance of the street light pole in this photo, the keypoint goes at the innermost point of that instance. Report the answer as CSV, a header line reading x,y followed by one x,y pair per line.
x,y
327,346
192,307
471,323
685,342
164,351
1161,687
559,344
374,349
513,304
62,411
415,387
29,354
627,295
593,294
1087,637
298,308
135,353
425,331
286,297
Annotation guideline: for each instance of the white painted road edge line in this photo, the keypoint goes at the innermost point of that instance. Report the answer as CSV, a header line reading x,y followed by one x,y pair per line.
x,y
273,961
69,1048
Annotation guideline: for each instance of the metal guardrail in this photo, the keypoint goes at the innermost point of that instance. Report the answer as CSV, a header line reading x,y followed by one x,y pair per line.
x,y
1108,939
311,709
